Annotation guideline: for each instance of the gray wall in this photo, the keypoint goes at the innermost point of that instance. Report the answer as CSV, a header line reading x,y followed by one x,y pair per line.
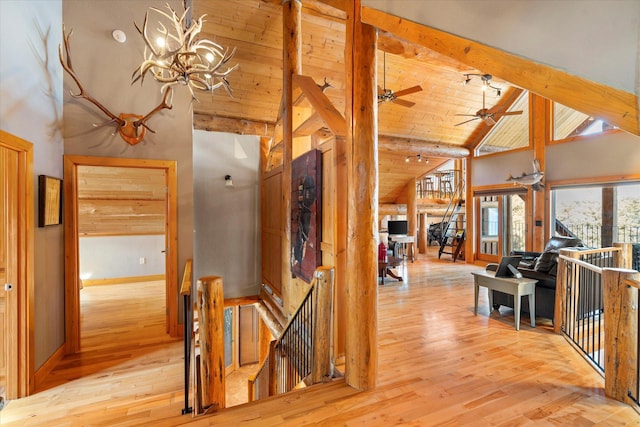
x,y
105,67
227,219
109,257
31,108
595,39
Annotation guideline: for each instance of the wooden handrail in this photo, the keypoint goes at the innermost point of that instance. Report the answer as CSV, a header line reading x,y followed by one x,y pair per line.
x,y
632,283
185,289
586,265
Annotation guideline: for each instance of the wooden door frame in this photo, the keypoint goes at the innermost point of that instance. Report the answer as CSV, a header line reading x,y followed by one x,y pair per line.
x,y
72,265
20,368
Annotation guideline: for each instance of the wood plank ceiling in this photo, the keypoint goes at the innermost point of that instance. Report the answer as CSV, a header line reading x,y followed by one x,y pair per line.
x,y
254,28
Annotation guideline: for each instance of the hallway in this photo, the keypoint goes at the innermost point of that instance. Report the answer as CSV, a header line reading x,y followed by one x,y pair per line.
x,y
438,365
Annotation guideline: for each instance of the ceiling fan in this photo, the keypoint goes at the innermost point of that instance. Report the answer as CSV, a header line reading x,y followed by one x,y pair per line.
x,y
489,116
387,95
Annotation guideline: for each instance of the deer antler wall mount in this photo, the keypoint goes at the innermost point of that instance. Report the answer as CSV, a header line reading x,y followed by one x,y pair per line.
x,y
131,127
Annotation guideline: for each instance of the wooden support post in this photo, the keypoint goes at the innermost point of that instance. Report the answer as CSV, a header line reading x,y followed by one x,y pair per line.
x,y
422,236
624,258
470,254
361,353
292,64
211,321
608,216
340,277
540,126
273,377
620,334
412,216
323,342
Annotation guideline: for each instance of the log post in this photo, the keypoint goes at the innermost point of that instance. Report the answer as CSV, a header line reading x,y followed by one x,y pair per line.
x,y
538,107
620,334
412,216
211,323
323,333
273,374
623,258
361,354
422,236
291,64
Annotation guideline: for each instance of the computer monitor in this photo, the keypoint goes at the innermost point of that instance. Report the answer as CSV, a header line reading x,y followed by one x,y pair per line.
x,y
397,227
504,270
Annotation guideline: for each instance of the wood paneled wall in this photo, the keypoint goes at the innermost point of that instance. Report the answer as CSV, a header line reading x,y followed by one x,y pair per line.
x,y
116,201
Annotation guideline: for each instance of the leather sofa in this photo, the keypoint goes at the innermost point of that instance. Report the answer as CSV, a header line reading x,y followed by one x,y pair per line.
x,y
543,267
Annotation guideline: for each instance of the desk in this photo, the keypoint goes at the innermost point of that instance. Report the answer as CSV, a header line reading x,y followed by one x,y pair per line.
x,y
407,246
509,285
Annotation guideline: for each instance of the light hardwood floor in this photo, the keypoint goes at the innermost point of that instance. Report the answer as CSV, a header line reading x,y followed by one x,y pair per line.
x,y
438,365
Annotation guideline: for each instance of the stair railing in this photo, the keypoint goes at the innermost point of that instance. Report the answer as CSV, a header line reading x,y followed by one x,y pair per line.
x,y
302,354
454,203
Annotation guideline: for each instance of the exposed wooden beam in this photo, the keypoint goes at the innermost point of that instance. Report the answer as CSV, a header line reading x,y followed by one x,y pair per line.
x,y
418,146
614,106
321,104
231,125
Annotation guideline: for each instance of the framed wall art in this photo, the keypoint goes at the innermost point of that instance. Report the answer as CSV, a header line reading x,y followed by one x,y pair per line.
x,y
49,201
306,215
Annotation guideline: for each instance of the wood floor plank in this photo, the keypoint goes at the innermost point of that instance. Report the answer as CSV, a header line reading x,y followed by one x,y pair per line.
x,y
439,365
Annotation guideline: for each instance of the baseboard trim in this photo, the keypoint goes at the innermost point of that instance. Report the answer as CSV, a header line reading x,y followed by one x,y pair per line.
x,y
46,368
121,280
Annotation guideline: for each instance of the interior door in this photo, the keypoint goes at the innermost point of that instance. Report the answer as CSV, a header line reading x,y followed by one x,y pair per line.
x,y
8,267
489,225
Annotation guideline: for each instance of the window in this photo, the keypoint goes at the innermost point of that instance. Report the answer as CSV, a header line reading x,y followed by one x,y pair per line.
x,y
510,132
569,123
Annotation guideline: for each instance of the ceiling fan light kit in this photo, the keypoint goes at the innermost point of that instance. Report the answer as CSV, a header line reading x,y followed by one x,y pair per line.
x,y
488,116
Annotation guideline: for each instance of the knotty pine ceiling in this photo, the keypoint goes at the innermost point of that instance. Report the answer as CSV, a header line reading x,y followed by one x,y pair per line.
x,y
254,28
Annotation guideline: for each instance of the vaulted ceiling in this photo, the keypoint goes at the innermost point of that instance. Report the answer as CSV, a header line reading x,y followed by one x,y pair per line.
x,y
254,28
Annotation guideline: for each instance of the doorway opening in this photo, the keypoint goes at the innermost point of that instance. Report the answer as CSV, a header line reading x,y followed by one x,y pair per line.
x,y
103,198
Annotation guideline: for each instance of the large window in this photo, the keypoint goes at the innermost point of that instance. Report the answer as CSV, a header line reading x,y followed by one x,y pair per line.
x,y
510,131
598,215
569,123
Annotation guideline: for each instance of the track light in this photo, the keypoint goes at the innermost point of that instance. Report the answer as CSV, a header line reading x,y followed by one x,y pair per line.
x,y
418,157
486,79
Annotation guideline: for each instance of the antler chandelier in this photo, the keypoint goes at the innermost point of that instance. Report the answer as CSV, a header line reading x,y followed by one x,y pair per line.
x,y
173,54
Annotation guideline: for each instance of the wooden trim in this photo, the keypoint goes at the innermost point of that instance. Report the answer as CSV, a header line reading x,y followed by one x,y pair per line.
x,y
582,137
72,272
232,125
499,153
122,280
234,302
43,371
615,106
22,367
576,182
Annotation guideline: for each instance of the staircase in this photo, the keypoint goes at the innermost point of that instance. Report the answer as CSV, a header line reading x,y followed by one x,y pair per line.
x,y
453,224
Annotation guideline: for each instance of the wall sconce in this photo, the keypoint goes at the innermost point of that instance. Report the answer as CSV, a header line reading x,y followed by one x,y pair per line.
x,y
418,157
228,182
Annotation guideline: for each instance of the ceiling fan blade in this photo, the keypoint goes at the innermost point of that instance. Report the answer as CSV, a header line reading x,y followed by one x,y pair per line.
x,y
470,120
403,102
408,90
508,113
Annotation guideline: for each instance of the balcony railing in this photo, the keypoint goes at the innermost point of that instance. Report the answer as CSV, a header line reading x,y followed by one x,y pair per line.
x,y
597,311
591,234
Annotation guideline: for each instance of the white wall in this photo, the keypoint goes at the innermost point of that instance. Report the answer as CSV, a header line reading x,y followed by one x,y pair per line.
x,y
108,257
227,220
31,108
595,39
598,156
